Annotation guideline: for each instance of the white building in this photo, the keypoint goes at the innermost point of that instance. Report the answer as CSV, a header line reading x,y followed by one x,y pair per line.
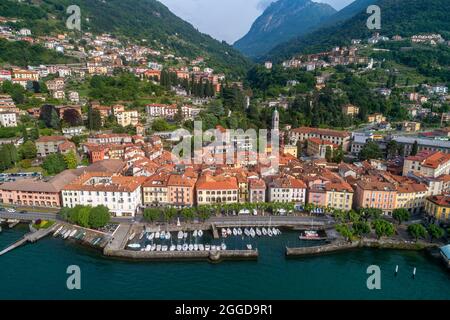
x,y
287,189
121,195
8,119
73,131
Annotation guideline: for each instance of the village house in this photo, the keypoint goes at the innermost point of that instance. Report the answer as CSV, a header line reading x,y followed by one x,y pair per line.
x,y
155,190
47,145
180,188
428,164
438,207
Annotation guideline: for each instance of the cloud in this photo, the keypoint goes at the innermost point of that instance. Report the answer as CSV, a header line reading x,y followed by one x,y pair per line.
x,y
263,4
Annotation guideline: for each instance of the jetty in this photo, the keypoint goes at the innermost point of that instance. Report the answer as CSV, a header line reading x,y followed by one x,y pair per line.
x,y
31,237
338,246
213,256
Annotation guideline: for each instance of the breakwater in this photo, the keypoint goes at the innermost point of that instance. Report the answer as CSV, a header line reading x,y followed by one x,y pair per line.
x,y
363,243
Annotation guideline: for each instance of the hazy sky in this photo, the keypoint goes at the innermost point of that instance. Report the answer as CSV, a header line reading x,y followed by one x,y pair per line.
x,y
226,20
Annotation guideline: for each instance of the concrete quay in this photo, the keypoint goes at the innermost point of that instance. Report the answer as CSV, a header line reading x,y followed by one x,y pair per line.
x,y
212,256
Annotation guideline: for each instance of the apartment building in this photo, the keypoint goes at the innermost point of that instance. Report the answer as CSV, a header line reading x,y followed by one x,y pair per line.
x,y
334,136
318,147
438,207
48,144
155,191
411,196
257,190
127,118
8,119
376,194
180,188
217,189
287,189
428,164
121,195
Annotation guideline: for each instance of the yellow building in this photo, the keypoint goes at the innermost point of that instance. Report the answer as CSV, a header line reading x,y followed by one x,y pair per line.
x,y
438,207
339,196
127,118
410,126
155,191
376,118
411,197
350,110
291,149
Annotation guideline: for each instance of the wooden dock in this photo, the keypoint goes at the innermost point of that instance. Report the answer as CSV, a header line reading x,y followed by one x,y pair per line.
x,y
29,237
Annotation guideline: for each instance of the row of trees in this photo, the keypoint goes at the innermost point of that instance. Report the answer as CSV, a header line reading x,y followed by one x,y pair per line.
x,y
205,211
87,217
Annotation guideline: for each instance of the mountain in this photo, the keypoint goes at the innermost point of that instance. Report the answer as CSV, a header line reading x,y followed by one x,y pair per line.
x,y
134,19
280,22
403,17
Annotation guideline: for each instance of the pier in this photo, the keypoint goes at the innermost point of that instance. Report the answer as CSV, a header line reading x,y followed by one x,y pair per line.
x,y
29,237
213,256
119,239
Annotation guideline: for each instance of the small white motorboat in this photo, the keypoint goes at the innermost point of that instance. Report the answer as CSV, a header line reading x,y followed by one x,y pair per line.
x,y
258,232
213,248
180,235
278,231
201,247
195,247
185,247
246,232
249,247
134,246
200,233
151,236
168,235
235,232
162,235
207,247
185,235
191,247
179,247
58,231
195,233
264,231
275,231
239,231
153,247
172,247
164,248
141,235
223,246
148,248
157,235
252,233
158,247
269,232
229,232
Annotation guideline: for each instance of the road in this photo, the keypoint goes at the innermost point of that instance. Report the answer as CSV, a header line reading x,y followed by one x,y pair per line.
x,y
284,220
43,216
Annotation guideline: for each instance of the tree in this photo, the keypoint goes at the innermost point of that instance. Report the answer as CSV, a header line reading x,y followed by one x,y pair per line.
x,y
72,117
152,214
361,228
417,231
370,213
345,231
338,156
371,150
178,118
28,150
8,156
329,154
415,148
83,217
401,215
392,149
54,164
435,232
94,121
71,160
383,228
49,116
160,124
99,217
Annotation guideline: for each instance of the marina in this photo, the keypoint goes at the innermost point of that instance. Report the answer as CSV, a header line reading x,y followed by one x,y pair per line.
x,y
303,278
